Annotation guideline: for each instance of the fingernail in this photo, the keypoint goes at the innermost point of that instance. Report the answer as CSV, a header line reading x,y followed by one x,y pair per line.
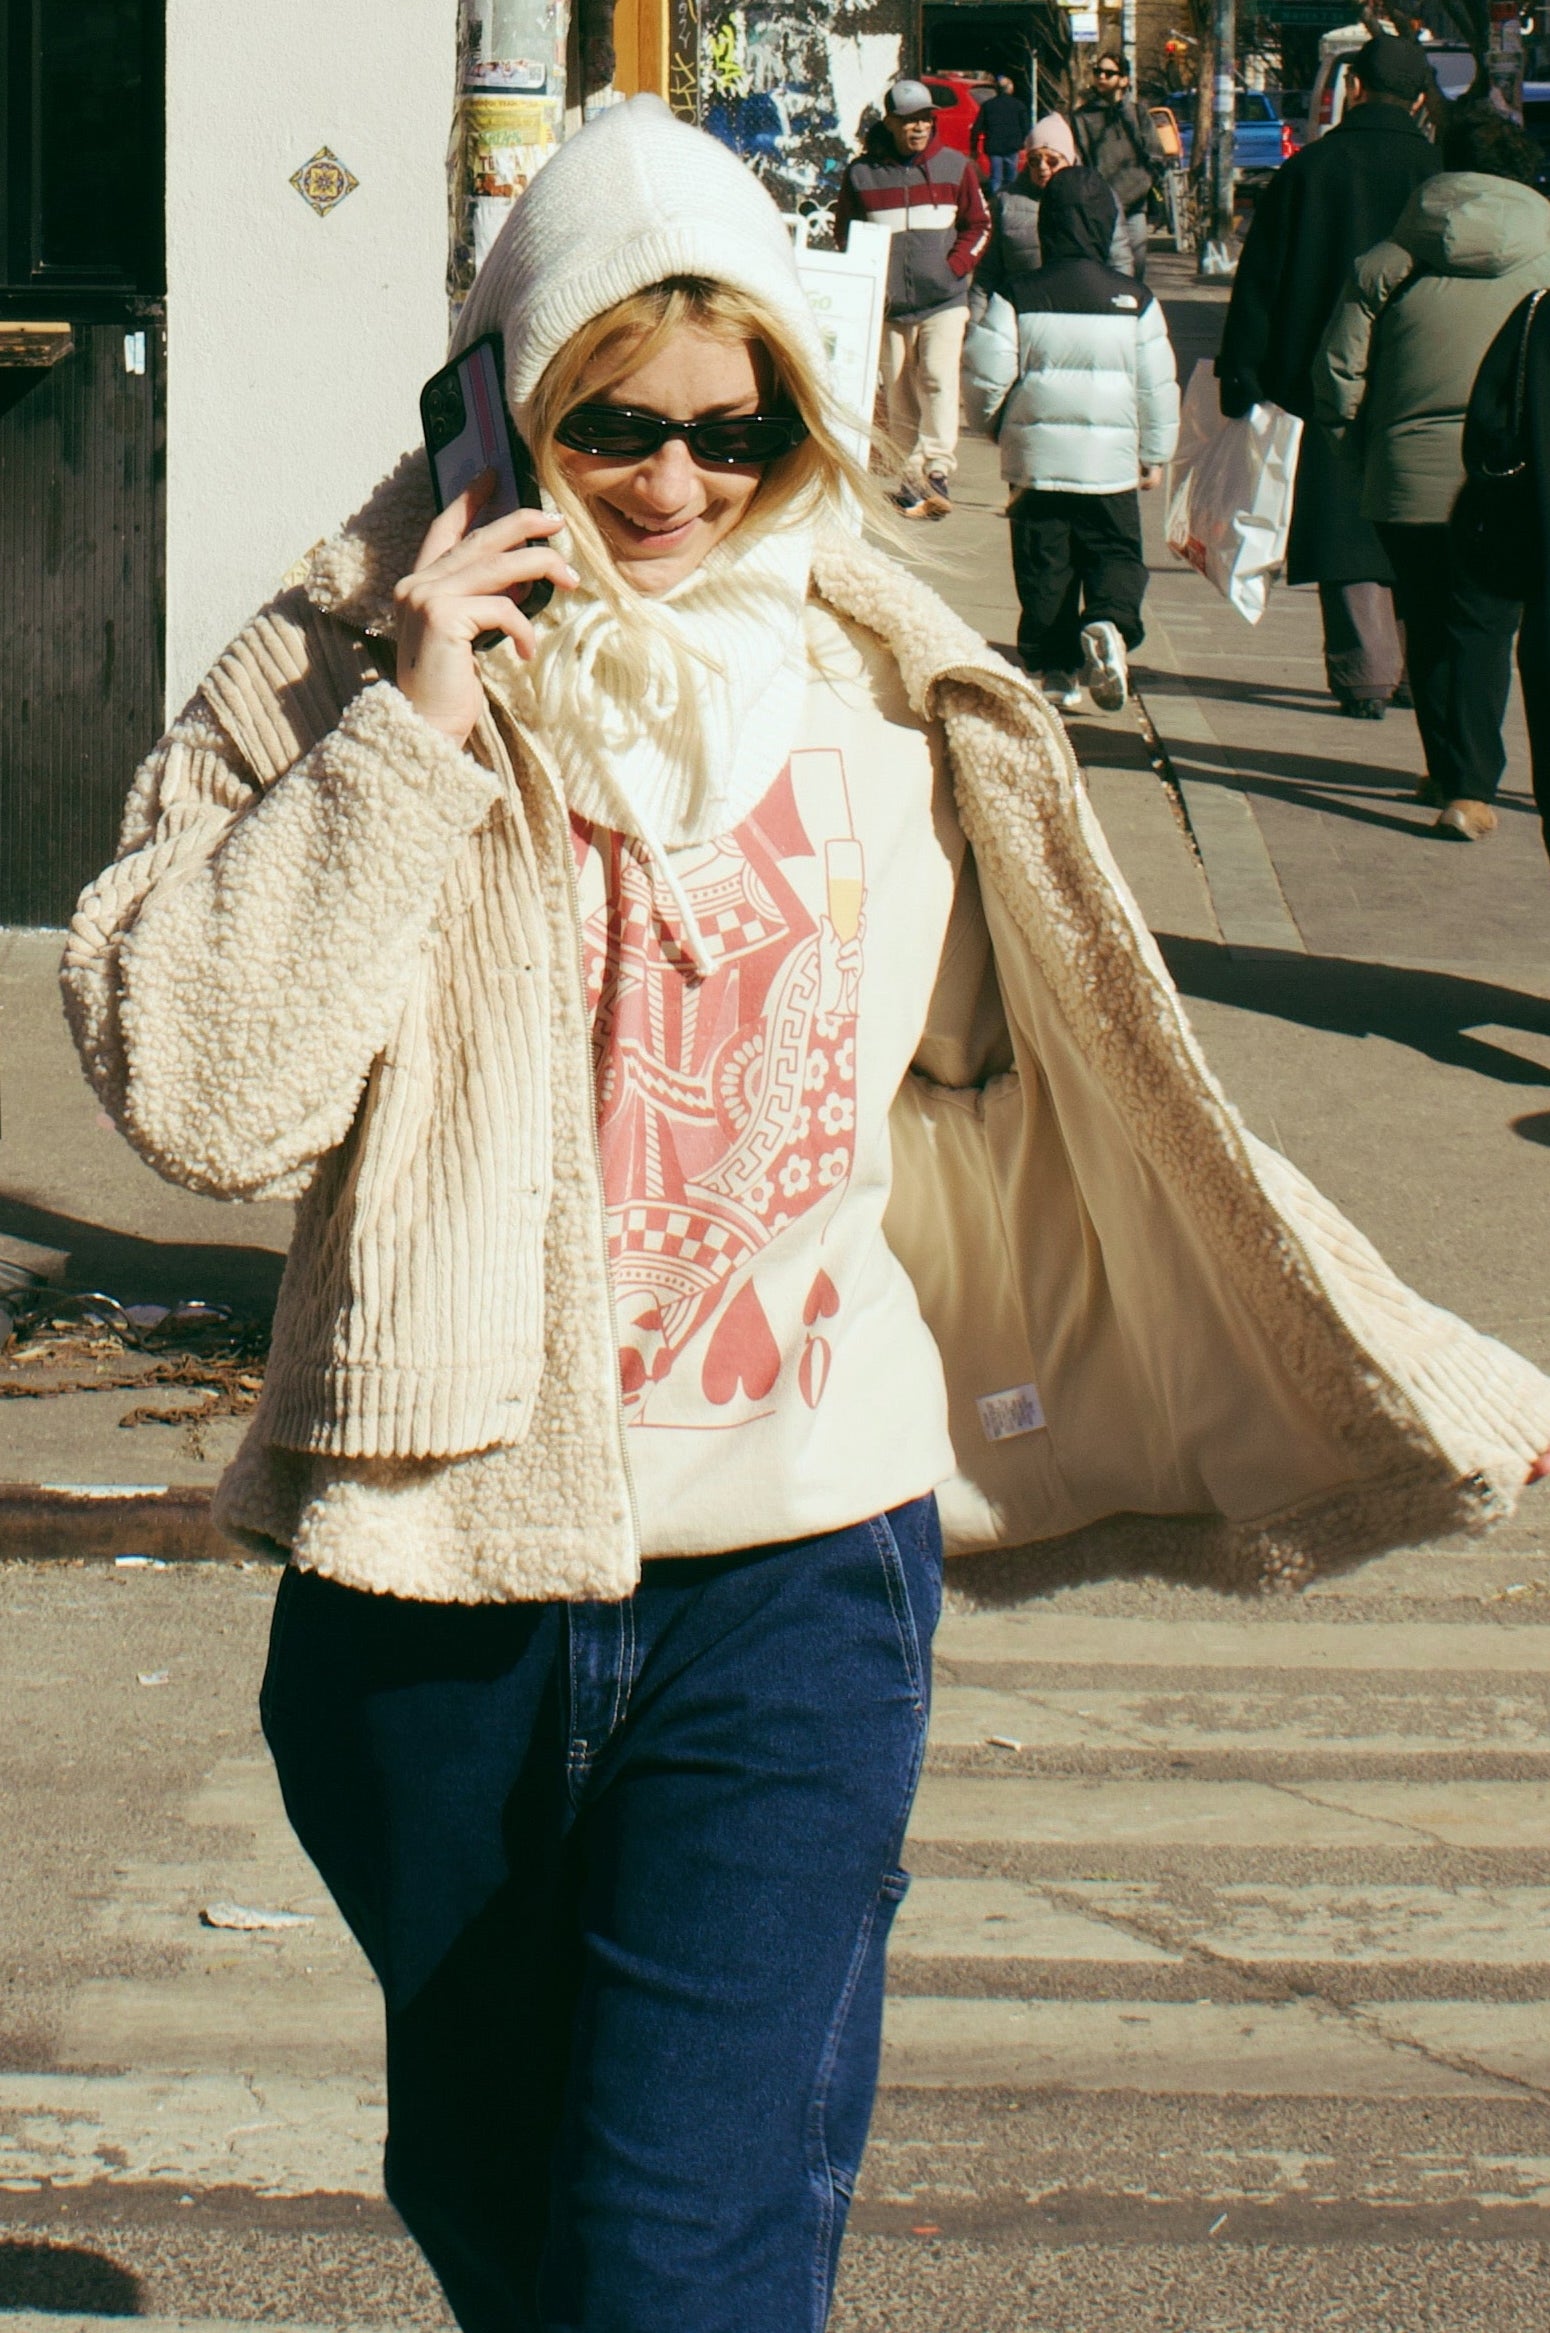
x,y
569,571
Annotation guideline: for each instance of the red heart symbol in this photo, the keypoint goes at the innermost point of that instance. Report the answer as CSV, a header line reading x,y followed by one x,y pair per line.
x,y
822,1301
742,1352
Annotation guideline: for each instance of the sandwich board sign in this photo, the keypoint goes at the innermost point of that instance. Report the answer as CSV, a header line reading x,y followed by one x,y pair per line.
x,y
847,290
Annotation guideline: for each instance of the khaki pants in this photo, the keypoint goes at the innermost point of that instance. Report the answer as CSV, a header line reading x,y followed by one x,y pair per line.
x,y
920,377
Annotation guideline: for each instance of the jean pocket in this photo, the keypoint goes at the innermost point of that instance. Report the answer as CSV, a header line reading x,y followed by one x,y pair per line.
x,y
914,1597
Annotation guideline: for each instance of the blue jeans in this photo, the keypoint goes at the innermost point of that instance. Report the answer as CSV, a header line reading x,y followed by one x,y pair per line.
x,y
626,1873
1003,169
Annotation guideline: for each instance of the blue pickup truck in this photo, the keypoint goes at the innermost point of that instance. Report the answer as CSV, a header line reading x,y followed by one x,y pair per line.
x,y
1265,137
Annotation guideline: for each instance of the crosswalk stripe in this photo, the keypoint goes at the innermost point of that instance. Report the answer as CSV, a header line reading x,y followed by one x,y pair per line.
x,y
1252,1923
1021,1638
1341,1715
1057,1810
275,2134
1288,2049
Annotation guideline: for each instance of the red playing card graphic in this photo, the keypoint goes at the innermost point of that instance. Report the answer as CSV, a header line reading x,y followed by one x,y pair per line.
x,y
742,1352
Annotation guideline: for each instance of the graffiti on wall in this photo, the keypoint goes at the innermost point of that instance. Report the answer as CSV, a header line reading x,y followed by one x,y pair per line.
x,y
789,85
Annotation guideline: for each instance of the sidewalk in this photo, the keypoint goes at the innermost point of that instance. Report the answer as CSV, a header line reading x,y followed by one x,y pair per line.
x,y
1376,1002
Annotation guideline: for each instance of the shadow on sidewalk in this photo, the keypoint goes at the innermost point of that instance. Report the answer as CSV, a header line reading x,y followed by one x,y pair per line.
x,y
1432,1012
1310,782
149,1271
62,2279
1152,681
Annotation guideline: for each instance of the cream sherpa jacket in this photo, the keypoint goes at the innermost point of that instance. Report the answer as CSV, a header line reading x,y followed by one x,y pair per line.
x,y
339,958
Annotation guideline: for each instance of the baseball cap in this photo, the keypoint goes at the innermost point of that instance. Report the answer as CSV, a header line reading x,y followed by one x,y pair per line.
x,y
1391,66
908,97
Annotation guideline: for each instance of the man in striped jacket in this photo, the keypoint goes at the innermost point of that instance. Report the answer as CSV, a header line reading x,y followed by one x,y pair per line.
x,y
928,197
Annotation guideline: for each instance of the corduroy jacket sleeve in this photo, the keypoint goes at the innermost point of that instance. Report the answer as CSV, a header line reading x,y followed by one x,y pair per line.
x,y
233,975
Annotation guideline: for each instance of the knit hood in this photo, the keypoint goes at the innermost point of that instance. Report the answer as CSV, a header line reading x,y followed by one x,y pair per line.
x,y
634,197
671,717
1463,222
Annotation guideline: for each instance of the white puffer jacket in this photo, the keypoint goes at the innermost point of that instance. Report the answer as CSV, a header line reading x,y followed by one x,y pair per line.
x,y
1078,383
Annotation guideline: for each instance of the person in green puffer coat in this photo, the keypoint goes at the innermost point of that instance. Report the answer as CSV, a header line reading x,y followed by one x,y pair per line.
x,y
1392,383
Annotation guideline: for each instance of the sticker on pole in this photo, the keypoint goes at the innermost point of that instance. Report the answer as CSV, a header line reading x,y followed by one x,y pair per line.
x,y
1017,1411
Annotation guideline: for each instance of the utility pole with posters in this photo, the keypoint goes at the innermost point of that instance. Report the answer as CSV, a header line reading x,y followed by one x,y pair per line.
x,y
1504,58
1218,254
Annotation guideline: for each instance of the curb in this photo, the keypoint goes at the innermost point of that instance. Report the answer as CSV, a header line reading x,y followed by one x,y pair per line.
x,y
51,1522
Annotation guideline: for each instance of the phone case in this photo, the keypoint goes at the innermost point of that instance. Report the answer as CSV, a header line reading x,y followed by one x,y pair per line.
x,y
468,430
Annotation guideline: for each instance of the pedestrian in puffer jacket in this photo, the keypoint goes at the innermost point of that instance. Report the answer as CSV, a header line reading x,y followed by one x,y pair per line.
x,y
1392,381
1079,386
1015,257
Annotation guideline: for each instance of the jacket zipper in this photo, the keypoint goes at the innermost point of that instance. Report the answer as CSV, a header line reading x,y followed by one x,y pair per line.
x,y
579,972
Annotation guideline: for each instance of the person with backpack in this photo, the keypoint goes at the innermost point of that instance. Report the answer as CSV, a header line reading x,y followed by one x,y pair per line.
x,y
1114,138
1392,381
1078,383
1500,529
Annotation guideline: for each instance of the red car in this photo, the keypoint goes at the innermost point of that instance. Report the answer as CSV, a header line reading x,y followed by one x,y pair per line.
x,y
958,99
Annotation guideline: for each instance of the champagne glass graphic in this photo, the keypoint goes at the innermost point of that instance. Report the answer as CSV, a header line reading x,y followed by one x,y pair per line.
x,y
844,874
845,869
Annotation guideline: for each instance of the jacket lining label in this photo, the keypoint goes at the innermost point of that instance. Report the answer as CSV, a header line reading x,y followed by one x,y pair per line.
x,y
1017,1411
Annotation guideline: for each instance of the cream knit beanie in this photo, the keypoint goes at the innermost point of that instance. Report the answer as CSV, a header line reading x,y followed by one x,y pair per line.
x,y
634,197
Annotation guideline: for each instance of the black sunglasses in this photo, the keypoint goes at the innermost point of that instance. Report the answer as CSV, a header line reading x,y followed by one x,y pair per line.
x,y
733,438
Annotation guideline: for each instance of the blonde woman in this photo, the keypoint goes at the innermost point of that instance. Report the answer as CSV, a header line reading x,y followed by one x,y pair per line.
x,y
737,1117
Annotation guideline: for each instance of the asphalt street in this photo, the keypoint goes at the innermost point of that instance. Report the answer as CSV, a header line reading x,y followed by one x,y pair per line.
x,y
1219,1999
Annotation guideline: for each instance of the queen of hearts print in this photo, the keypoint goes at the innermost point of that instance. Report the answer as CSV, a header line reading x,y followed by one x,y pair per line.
x,y
727,1103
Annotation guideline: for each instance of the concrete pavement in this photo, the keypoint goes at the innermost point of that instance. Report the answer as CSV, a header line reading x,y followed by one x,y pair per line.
x,y
1220,1998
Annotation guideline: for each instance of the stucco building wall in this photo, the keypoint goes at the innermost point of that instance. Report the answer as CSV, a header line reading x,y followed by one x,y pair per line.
x,y
297,342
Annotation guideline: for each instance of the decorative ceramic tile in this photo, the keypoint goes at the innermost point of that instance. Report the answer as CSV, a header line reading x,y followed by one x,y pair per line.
x,y
324,181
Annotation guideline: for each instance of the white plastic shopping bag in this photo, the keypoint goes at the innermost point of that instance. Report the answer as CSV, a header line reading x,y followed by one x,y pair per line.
x,y
1230,504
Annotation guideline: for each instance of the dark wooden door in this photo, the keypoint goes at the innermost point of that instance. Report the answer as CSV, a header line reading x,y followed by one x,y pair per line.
x,y
81,591
81,601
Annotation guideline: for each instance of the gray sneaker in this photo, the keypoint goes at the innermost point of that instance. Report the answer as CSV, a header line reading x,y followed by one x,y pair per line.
x,y
1104,669
1062,689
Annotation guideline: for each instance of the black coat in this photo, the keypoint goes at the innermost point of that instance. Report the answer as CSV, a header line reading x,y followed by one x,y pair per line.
x,y
1313,221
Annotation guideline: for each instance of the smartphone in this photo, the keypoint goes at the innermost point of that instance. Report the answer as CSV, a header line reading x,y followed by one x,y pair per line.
x,y
467,430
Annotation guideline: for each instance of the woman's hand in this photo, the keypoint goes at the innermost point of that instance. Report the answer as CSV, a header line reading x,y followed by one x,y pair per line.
x,y
459,588
1151,475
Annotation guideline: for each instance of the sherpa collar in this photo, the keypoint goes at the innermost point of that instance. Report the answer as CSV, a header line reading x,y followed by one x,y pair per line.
x,y
352,577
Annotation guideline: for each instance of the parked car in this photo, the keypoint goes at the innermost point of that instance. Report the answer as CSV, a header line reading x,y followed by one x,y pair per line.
x,y
1453,69
959,97
1264,135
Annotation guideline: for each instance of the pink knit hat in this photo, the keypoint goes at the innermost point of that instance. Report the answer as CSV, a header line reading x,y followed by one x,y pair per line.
x,y
1054,132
